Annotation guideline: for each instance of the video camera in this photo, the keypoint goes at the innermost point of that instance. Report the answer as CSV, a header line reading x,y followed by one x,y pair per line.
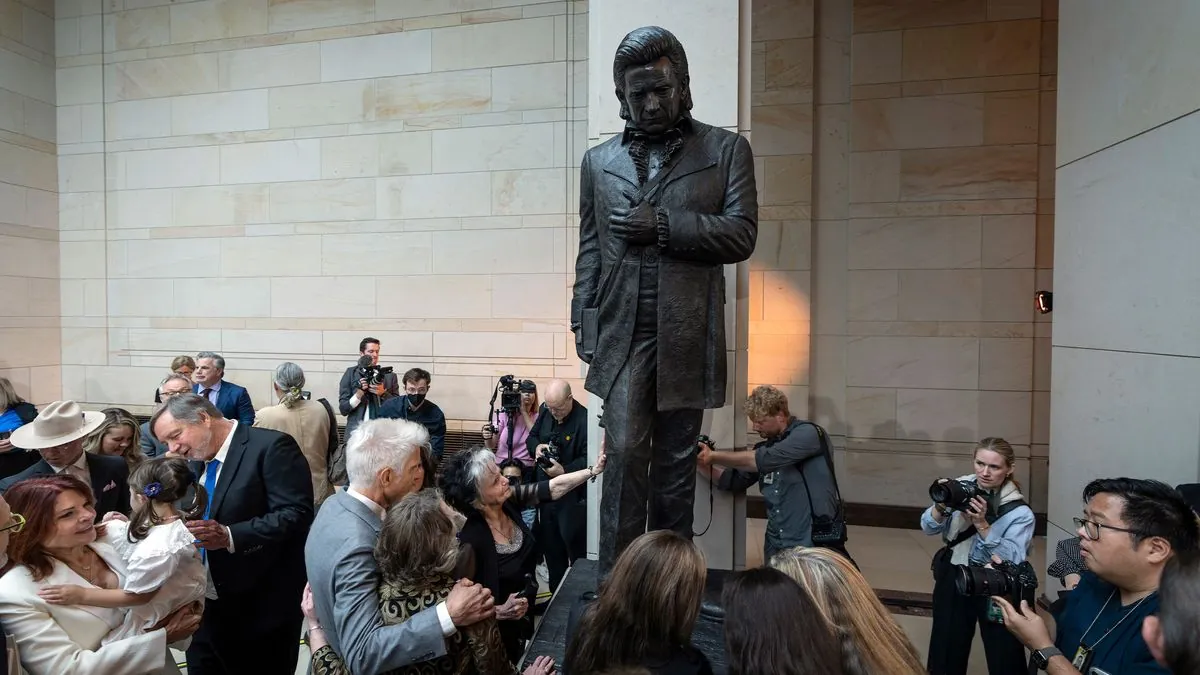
x,y
372,373
955,494
510,394
1012,581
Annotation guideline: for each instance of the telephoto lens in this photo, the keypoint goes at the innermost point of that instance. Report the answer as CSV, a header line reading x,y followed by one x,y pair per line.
x,y
954,494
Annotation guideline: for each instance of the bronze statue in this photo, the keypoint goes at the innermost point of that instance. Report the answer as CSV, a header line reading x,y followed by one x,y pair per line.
x,y
662,208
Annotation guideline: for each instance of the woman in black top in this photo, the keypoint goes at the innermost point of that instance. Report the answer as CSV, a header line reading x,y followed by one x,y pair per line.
x,y
498,549
644,613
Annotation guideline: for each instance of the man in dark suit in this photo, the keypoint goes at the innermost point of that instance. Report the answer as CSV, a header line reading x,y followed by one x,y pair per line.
x,y
662,208
358,399
252,536
232,400
57,434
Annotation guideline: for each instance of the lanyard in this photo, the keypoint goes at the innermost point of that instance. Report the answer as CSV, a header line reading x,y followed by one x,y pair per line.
x,y
1082,639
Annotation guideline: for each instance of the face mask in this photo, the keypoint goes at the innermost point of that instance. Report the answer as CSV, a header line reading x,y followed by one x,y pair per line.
x,y
415,400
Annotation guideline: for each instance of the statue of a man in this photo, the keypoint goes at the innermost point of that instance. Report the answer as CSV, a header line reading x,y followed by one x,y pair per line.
x,y
662,208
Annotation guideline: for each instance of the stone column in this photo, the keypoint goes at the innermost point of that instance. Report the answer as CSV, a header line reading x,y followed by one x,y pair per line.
x,y
715,34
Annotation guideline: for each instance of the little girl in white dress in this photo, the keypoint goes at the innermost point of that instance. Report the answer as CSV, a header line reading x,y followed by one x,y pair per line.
x,y
164,568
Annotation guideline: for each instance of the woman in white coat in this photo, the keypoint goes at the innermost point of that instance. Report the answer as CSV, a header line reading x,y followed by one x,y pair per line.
x,y
57,545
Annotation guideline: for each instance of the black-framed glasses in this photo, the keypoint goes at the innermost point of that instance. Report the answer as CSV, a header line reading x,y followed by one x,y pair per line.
x,y
1092,529
17,524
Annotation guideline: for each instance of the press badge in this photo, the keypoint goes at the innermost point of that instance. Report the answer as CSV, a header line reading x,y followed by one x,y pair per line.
x,y
1083,656
768,478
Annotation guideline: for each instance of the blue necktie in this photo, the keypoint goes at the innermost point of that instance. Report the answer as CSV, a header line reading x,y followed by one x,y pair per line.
x,y
210,481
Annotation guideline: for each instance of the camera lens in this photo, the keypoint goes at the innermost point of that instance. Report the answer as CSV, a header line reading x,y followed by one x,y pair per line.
x,y
939,493
982,582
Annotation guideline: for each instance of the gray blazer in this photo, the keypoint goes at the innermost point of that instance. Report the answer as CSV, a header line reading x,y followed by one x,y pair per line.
x,y
341,565
149,444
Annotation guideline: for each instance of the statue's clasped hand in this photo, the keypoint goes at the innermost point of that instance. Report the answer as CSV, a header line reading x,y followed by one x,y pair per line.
x,y
637,224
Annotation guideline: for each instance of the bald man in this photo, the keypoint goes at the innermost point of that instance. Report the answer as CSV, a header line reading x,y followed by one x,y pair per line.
x,y
558,441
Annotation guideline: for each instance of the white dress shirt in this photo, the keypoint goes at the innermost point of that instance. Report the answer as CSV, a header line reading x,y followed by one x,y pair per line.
x,y
443,613
222,453
212,395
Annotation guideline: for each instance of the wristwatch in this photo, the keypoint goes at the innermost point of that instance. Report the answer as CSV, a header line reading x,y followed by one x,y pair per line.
x,y
1041,657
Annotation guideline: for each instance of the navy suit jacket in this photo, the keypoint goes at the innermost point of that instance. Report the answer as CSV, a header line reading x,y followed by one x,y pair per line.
x,y
234,402
110,481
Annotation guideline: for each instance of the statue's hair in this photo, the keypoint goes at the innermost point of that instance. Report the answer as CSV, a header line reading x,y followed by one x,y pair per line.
x,y
646,45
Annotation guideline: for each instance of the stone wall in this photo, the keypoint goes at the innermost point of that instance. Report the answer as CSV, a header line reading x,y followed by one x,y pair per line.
x,y
29,286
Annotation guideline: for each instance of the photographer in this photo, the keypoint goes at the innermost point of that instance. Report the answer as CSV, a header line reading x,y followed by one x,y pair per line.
x,y
986,516
803,504
509,443
1130,530
558,443
358,398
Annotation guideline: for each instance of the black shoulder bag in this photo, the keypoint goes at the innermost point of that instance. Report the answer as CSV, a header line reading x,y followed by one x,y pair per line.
x,y
826,530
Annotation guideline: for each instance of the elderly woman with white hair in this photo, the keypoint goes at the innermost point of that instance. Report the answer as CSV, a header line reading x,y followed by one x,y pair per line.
x,y
499,550
307,421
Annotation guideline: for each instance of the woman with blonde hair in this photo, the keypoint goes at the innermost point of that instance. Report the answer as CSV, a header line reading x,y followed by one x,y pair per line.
x,y
118,436
644,612
871,641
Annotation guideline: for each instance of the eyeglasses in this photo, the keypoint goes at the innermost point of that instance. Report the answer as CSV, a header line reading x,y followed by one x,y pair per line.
x,y
1092,529
17,524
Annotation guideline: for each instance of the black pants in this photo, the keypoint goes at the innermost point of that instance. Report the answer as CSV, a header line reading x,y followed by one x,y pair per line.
x,y
954,619
229,643
562,534
650,479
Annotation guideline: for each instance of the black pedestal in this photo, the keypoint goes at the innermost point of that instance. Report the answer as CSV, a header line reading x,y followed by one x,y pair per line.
x,y
550,638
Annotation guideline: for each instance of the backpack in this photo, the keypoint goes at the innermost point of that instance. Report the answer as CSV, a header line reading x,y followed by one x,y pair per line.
x,y
335,452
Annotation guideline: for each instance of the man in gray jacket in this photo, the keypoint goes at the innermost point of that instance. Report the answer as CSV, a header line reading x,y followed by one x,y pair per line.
x,y
794,470
383,462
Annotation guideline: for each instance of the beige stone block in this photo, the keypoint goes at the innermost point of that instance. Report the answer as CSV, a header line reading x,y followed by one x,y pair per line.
x,y
937,414
1047,122
778,359
429,95
342,255
128,120
940,295
1008,295
876,15
291,256
788,64
493,251
530,296
912,362
786,180
435,196
874,176
393,344
76,86
917,122
323,297
870,413
783,245
136,298
1005,172
132,209
78,36
26,297
271,342
80,124
350,156
316,104
77,259
972,50
220,113
292,15
25,347
914,243
154,78
217,20
493,345
1045,241
176,167
371,56
1008,10
782,19
505,43
220,205
325,200
389,10
275,66
1006,364
273,162
1009,241
873,295
876,57
521,146
535,86
1042,348
187,341
1011,118
1007,414
786,295
529,192
434,297
217,297
783,130
1046,172
28,167
163,258
81,173
140,28
405,153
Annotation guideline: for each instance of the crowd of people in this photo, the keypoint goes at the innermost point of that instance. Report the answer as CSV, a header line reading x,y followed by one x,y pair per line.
x,y
227,532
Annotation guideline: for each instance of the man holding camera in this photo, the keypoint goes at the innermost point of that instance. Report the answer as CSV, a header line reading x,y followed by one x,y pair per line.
x,y
803,504
1130,529
558,443
365,386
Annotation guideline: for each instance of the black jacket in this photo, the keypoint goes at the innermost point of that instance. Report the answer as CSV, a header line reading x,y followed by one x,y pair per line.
x,y
349,385
110,481
711,207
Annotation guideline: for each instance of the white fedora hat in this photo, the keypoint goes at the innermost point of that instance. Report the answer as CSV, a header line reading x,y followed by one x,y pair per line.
x,y
58,423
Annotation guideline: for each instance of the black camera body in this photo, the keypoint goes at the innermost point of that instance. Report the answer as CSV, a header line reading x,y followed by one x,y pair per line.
x,y
510,394
703,440
955,494
550,456
374,374
1012,581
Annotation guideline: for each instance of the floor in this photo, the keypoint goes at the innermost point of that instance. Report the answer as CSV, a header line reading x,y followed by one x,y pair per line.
x,y
896,560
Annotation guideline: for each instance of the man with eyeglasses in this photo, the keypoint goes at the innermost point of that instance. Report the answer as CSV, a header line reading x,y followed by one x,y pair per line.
x,y
1129,530
174,385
